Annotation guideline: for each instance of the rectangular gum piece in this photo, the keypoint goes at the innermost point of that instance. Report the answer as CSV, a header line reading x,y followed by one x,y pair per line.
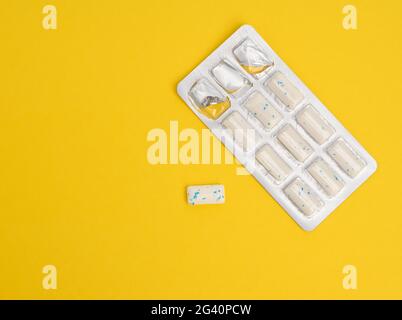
x,y
206,194
273,163
314,124
261,109
284,90
241,130
346,158
301,195
326,177
294,143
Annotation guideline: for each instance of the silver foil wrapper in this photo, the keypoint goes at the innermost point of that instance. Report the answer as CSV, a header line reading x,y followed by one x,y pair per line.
x,y
252,59
230,79
204,94
208,99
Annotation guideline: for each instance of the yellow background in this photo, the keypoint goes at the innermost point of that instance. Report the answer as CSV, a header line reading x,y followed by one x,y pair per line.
x,y
77,192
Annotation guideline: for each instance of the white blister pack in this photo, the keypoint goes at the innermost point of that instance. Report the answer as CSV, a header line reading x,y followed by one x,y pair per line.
x,y
276,127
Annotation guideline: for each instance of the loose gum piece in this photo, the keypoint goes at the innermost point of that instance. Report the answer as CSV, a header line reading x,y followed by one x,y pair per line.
x,y
206,194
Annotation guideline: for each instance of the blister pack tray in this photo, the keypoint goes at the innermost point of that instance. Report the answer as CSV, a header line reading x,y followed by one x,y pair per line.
x,y
276,127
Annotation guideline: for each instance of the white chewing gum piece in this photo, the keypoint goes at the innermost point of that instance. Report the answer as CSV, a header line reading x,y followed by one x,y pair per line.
x,y
273,163
326,177
346,158
314,124
241,130
206,194
294,143
303,197
260,108
284,90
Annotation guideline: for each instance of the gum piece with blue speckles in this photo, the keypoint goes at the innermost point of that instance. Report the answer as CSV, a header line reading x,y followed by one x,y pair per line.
x,y
303,197
276,167
242,132
261,109
326,177
346,158
294,143
285,91
206,194
314,124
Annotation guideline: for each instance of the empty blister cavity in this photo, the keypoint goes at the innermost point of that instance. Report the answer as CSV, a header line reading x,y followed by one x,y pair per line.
x,y
209,101
206,194
241,131
294,143
253,60
273,163
230,79
346,158
303,197
261,109
326,177
315,124
284,90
